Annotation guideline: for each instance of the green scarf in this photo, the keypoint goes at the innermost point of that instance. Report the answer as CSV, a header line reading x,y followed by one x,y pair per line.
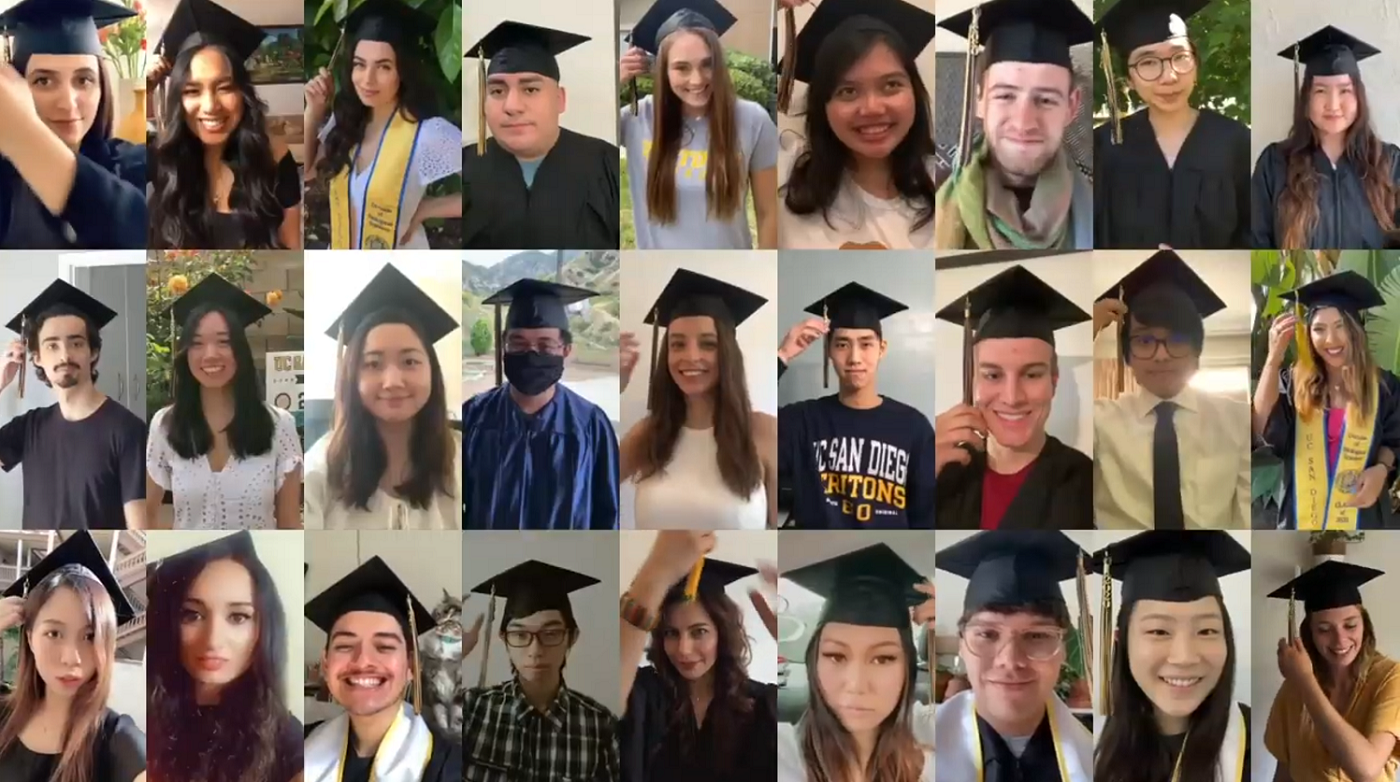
x,y
987,214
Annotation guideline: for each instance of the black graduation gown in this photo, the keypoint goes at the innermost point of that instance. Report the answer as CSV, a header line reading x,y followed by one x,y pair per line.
x,y
1201,202
651,753
119,755
573,202
444,764
1280,429
1345,220
1038,763
106,209
1057,494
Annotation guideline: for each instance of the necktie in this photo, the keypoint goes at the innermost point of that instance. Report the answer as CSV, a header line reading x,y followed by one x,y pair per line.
x,y
1166,471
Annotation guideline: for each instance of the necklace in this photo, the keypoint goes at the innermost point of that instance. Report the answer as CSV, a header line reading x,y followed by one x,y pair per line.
x,y
216,192
1176,770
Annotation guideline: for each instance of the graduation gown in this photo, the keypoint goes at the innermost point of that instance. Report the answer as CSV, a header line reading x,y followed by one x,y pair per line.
x,y
651,745
1280,429
106,208
556,469
444,762
1202,201
1345,220
572,203
1057,494
1040,762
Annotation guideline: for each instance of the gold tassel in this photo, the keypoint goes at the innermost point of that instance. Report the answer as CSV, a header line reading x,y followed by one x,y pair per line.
x,y
967,351
1086,621
789,65
417,664
1106,637
1292,615
500,348
24,366
1120,364
486,650
1301,338
826,350
655,338
969,90
481,110
1114,113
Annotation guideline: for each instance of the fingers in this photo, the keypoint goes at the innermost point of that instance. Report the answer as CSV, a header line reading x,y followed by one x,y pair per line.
x,y
924,588
765,612
768,571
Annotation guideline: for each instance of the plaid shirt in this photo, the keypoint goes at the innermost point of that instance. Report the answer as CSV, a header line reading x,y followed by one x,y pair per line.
x,y
507,740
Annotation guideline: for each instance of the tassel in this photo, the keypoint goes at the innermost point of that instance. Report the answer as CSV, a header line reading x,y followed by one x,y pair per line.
x,y
655,338
417,664
24,337
692,584
1086,621
481,122
500,348
486,650
1120,364
1106,637
1114,113
1301,339
967,351
789,64
826,347
1292,615
969,89
1297,78
635,90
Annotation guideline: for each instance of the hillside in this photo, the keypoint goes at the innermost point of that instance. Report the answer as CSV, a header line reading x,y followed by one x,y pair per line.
x,y
594,325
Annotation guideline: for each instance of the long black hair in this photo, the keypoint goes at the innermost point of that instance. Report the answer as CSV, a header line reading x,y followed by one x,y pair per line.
x,y
357,455
251,431
416,103
1132,748
820,168
181,210
239,740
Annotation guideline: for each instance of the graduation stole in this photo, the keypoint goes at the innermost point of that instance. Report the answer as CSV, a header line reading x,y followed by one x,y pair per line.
x,y
402,756
961,758
1320,490
383,196
1233,748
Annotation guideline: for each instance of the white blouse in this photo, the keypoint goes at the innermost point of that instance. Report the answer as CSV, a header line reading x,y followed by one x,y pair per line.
x,y
243,495
690,493
858,220
385,511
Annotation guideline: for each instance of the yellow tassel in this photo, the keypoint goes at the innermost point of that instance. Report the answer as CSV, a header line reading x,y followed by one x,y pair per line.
x,y
1300,339
1086,620
789,73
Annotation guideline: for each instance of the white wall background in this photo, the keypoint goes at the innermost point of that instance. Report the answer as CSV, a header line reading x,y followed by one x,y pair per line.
x,y
1072,414
945,41
588,72
128,695
592,666
282,553
25,274
748,547
427,561
644,276
1276,24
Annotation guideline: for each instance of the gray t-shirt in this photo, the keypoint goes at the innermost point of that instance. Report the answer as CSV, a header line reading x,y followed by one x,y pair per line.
x,y
694,229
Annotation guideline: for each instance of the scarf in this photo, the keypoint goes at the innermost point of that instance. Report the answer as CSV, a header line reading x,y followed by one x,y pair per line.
x,y
977,210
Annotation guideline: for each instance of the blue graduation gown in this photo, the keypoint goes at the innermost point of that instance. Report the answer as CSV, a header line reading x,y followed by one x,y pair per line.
x,y
556,469
106,209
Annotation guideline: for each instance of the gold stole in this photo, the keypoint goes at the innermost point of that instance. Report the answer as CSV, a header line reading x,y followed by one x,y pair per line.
x,y
1319,493
383,197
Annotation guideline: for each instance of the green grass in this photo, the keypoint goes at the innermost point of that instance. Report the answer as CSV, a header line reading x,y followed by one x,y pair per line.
x,y
629,225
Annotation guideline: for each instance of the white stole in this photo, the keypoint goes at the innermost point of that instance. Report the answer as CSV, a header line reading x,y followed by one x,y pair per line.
x,y
402,756
1232,749
959,748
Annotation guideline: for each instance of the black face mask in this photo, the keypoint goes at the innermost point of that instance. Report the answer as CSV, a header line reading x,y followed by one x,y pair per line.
x,y
533,373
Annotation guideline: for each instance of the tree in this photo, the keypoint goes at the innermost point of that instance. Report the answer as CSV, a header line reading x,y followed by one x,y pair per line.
x,y
481,337
1222,36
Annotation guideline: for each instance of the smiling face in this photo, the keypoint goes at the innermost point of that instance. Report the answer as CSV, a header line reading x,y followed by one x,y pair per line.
x,y
64,353
861,673
1177,652
1331,339
62,643
219,624
67,92
211,352
539,645
1332,104
375,74
1009,686
213,105
690,68
1015,387
1338,634
873,106
691,639
692,354
856,355
395,377
365,663
1171,91
522,111
1025,110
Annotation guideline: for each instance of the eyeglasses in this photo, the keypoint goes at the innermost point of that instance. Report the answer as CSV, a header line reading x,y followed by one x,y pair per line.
x,y
1144,346
550,346
1153,68
1038,645
519,639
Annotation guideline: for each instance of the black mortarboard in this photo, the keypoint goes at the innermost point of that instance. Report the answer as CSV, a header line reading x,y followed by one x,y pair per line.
x,y
61,293
871,587
215,290
1331,584
905,21
534,586
374,587
1033,31
390,21
1166,269
59,26
1130,24
517,47
1014,304
667,16
1330,52
392,290
1345,290
203,22
716,576
537,304
1172,565
689,293
853,306
79,550
1014,568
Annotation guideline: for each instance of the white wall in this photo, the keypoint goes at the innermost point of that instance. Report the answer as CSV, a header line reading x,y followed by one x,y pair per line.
x,y
1072,415
749,547
24,275
1276,24
282,553
128,695
644,276
592,664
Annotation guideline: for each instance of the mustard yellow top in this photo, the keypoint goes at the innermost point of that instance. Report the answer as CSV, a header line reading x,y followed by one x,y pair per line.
x,y
1375,708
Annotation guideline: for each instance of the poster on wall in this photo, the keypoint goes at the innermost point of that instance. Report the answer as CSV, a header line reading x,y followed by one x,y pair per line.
x,y
286,379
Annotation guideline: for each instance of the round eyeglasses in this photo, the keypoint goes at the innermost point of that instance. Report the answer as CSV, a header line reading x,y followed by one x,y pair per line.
x,y
1153,68
1038,645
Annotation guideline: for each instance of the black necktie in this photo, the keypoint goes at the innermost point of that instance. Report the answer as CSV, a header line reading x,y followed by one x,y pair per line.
x,y
1166,471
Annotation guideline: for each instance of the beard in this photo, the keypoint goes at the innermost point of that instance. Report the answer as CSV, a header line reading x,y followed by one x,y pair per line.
x,y
66,380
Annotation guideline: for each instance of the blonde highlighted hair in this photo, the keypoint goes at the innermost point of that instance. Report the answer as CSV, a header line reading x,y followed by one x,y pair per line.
x,y
1359,377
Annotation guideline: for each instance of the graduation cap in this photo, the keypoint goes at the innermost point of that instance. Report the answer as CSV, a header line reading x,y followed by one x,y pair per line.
x,y
1032,31
1332,584
529,588
390,21
1345,290
1328,52
870,587
691,294
59,294
1005,567
534,304
391,289
1163,273
216,291
1131,24
204,22
665,17
715,577
78,551
516,47
59,26
852,306
898,19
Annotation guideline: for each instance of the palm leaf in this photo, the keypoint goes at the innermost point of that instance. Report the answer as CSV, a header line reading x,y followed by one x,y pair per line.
x,y
1383,323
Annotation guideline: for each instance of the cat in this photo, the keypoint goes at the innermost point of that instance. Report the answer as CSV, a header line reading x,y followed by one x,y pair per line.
x,y
441,653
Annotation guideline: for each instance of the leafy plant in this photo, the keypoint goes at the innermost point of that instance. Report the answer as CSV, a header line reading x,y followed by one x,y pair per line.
x,y
1075,666
1350,536
125,42
481,337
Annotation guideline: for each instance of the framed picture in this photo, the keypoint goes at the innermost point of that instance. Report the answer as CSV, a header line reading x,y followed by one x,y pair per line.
x,y
279,59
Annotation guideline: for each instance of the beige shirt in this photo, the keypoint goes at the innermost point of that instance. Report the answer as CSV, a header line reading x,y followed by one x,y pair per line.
x,y
1213,446
385,512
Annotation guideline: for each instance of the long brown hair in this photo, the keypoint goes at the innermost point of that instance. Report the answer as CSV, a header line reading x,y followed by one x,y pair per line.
x,y
1364,658
724,171
1297,204
1359,376
729,712
739,464
76,761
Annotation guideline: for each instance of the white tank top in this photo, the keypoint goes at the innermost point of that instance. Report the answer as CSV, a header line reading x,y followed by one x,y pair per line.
x,y
690,494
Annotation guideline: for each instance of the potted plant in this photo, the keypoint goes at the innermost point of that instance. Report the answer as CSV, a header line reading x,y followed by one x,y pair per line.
x,y
1073,685
1333,542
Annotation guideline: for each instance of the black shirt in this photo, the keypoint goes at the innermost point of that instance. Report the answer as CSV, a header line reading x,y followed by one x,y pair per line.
x,y
653,748
119,756
228,233
1344,217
